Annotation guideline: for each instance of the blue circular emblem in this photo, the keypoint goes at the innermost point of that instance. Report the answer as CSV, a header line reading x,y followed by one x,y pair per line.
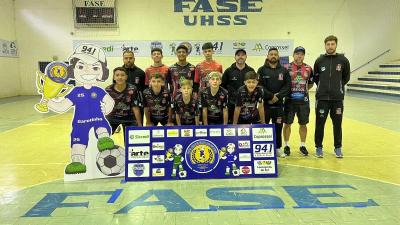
x,y
202,156
138,169
57,72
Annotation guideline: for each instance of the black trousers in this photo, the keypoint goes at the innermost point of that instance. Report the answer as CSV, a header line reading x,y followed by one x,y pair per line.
x,y
275,115
335,110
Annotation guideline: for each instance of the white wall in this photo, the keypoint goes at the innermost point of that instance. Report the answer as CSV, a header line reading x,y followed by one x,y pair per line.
x,y
374,27
44,29
9,75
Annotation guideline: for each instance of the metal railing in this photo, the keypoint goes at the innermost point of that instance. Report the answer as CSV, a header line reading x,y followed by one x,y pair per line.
x,y
383,53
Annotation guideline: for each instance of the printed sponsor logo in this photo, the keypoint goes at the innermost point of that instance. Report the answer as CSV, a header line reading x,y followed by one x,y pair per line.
x,y
215,132
158,172
158,133
158,146
158,159
263,150
262,134
264,167
245,170
229,132
245,157
244,144
201,132
243,132
139,153
138,170
187,132
172,133
139,137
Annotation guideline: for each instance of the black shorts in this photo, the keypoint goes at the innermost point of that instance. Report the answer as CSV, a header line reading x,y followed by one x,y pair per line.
x,y
301,110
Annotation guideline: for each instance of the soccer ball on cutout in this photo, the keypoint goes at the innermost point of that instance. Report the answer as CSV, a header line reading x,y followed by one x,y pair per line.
x,y
111,162
235,172
182,174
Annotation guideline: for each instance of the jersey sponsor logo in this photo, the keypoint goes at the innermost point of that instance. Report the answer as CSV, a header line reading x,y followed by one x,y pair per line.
x,y
262,134
139,137
139,153
202,156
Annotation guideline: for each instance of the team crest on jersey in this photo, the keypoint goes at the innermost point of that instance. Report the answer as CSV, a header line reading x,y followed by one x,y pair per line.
x,y
339,67
202,156
323,68
280,77
136,80
93,95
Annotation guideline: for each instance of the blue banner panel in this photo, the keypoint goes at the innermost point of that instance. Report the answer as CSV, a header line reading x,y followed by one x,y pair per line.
x,y
200,152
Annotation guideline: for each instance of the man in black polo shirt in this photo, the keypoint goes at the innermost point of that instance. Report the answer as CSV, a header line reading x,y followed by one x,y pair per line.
x,y
233,79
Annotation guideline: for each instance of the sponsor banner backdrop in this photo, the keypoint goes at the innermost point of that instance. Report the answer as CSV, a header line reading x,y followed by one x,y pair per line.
x,y
221,47
200,152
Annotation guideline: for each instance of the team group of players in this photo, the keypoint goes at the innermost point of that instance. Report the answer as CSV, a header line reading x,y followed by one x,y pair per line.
x,y
184,94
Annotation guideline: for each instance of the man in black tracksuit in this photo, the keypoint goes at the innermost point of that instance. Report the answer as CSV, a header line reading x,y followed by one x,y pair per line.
x,y
233,79
275,80
331,74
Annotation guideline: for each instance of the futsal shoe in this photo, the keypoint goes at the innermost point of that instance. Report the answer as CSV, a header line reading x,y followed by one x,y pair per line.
x,y
338,153
319,153
303,150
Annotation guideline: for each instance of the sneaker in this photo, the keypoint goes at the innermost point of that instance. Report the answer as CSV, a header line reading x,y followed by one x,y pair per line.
x,y
286,150
319,153
338,153
303,150
281,153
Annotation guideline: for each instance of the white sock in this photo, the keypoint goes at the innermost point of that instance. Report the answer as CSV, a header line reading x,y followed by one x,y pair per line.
x,y
287,143
302,144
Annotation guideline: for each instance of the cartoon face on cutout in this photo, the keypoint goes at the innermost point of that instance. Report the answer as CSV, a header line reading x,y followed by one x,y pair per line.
x,y
88,64
178,149
230,147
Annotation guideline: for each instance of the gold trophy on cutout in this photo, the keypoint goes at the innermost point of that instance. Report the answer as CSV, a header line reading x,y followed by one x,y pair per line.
x,y
52,84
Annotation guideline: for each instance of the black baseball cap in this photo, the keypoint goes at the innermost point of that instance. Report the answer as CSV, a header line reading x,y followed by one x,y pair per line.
x,y
240,50
299,49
